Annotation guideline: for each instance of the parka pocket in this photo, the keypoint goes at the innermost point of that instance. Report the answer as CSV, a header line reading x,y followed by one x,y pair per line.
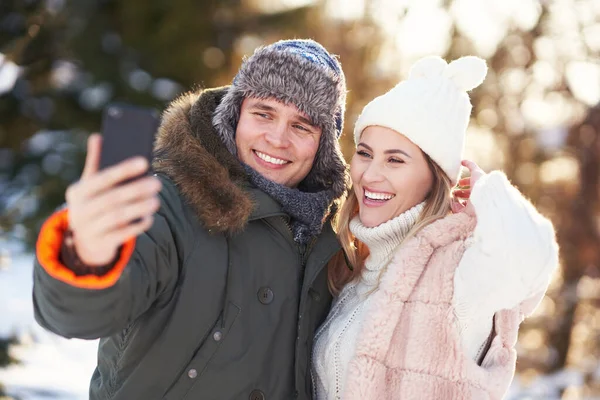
x,y
193,372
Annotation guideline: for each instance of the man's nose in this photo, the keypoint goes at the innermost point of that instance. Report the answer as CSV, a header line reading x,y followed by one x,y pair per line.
x,y
277,135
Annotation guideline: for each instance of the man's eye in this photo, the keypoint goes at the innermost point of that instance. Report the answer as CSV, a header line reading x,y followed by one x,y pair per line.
x,y
262,115
301,127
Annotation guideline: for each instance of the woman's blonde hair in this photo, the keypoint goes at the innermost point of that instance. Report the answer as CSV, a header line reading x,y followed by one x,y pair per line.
x,y
347,265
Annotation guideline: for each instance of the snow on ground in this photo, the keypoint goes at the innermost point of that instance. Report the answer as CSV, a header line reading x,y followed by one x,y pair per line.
x,y
51,367
60,369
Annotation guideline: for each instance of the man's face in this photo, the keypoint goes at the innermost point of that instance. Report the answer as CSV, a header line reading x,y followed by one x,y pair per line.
x,y
276,140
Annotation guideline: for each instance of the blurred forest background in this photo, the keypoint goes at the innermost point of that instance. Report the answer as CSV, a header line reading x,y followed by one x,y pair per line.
x,y
537,115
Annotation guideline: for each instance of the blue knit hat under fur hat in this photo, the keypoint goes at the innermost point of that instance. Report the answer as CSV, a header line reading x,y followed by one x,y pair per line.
x,y
303,73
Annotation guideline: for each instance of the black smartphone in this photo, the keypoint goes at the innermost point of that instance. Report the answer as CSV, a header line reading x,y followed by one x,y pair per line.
x,y
127,131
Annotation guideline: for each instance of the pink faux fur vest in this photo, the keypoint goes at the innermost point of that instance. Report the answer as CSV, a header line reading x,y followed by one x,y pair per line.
x,y
409,347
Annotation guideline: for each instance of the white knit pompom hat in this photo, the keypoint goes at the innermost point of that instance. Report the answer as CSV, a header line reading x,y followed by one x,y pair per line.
x,y
431,108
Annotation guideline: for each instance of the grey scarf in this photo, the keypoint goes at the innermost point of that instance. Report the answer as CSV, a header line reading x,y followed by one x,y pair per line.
x,y
307,209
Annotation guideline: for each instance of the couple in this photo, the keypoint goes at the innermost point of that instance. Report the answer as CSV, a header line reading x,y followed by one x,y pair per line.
x,y
246,277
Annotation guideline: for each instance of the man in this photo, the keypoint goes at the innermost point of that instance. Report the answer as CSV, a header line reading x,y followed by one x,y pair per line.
x,y
219,295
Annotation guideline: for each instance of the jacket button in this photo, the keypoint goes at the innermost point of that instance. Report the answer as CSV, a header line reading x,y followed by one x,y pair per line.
x,y
265,295
192,373
217,336
316,296
257,395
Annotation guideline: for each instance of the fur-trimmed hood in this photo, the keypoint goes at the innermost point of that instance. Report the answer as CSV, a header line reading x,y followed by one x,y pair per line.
x,y
191,154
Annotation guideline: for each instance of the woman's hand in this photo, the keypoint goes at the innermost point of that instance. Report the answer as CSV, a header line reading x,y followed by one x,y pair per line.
x,y
461,202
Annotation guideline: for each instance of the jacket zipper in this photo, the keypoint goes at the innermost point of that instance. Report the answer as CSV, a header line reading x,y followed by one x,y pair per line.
x,y
303,250
299,247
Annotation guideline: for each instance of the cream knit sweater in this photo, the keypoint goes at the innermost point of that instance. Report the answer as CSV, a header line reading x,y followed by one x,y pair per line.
x,y
335,340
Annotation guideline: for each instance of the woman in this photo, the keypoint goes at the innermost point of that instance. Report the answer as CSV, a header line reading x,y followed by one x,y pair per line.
x,y
428,301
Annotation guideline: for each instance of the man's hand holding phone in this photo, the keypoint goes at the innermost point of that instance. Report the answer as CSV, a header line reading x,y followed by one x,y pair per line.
x,y
101,207
115,198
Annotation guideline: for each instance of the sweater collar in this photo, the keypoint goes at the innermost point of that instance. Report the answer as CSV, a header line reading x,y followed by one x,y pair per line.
x,y
383,239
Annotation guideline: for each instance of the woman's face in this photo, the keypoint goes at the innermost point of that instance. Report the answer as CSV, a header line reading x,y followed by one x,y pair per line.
x,y
390,175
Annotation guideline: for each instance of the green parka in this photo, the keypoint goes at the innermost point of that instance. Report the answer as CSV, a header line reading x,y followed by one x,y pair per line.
x,y
216,301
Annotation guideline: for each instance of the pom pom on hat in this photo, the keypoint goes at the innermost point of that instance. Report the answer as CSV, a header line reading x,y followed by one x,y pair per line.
x,y
466,72
427,67
431,108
